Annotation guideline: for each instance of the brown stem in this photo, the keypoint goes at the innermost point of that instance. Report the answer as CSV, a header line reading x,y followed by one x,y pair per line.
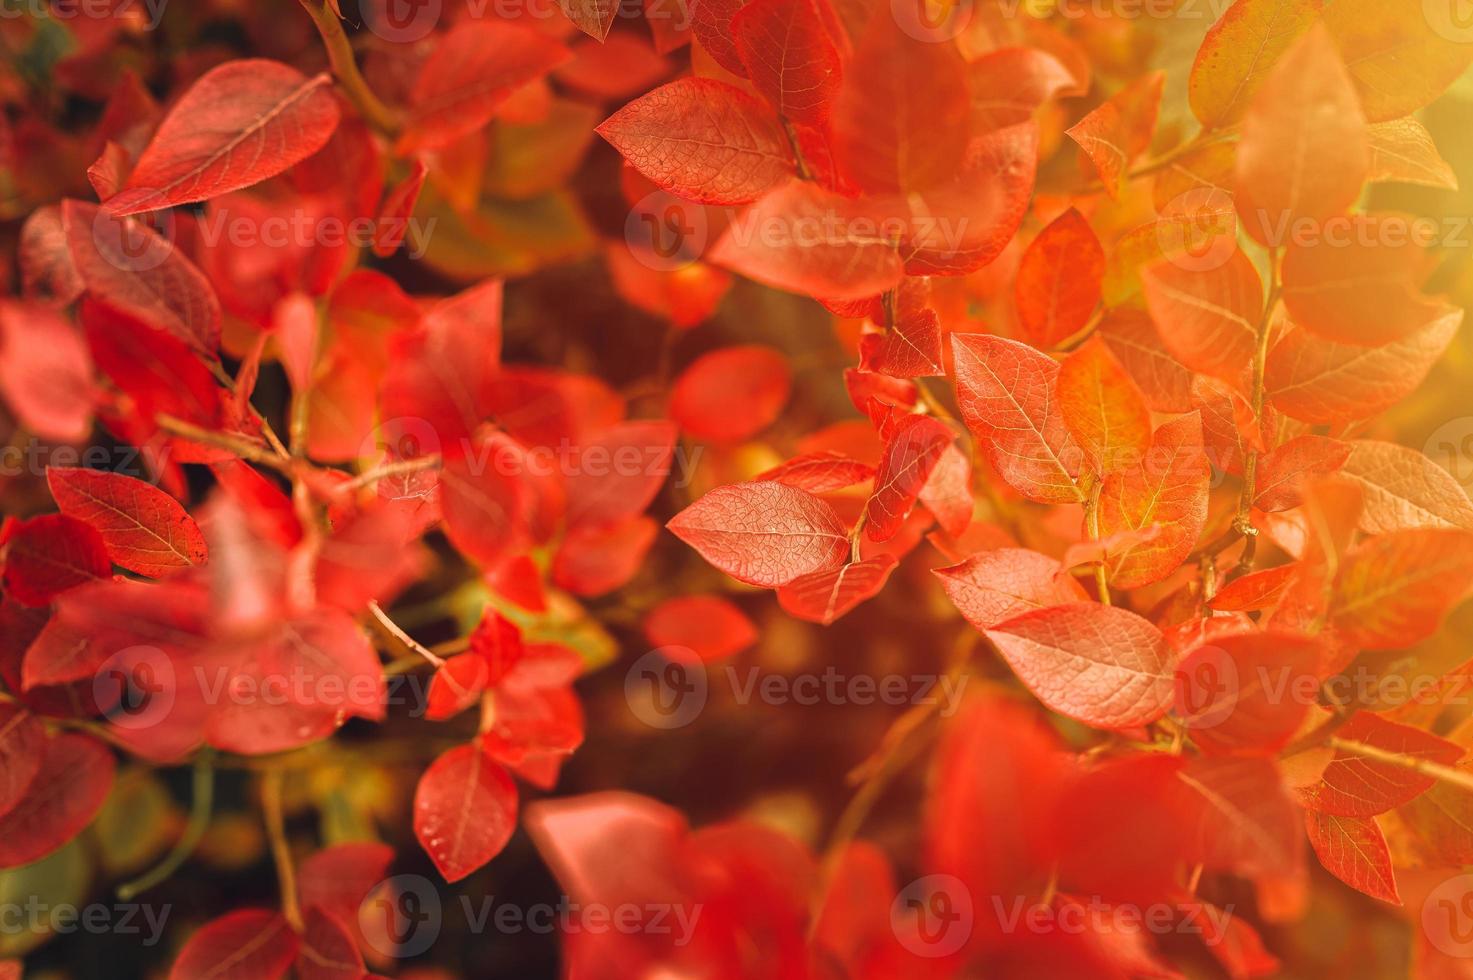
x,y
1092,528
345,68
243,448
399,468
1436,770
286,872
410,643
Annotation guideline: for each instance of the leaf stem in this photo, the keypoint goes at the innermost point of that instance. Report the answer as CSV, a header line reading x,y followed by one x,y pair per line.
x,y
345,68
397,632
387,470
286,872
243,448
1436,770
200,809
1092,528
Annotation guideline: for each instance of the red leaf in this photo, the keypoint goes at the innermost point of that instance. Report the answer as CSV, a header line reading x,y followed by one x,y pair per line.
x,y
1118,131
338,878
901,120
45,372
1009,84
465,810
1058,281
1304,152
1103,409
1358,282
911,348
821,472
621,472
1007,395
1133,338
249,944
1283,471
76,777
145,530
1249,826
823,597
441,381
328,950
47,273
1256,590
764,534
486,504
1329,383
703,140
1207,318
1393,590
1355,786
948,492
474,68
1244,693
710,627
1101,665
131,268
710,22
397,206
1401,489
731,394
456,686
1354,850
594,560
911,453
995,586
805,239
47,555
241,123
789,57
960,226
592,17
22,743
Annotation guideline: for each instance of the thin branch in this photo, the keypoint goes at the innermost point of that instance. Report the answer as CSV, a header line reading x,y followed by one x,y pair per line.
x,y
243,448
200,809
410,643
286,872
1092,528
345,68
1436,770
399,468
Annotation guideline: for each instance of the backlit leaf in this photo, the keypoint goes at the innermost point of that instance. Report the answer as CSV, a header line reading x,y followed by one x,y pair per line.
x,y
239,124
465,809
994,586
1102,665
789,57
1207,318
248,944
822,597
1058,281
1354,850
703,140
1009,400
764,534
145,530
1240,50
1103,409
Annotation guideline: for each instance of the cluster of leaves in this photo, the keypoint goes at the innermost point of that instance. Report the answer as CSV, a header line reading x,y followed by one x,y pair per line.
x,y
1131,401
